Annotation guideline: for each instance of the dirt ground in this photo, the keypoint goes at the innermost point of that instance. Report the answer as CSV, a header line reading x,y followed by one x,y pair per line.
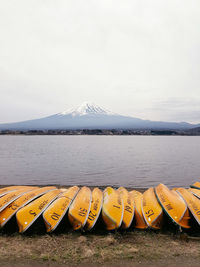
x,y
137,248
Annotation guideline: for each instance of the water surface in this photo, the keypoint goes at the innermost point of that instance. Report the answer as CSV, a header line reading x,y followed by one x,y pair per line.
x,y
131,161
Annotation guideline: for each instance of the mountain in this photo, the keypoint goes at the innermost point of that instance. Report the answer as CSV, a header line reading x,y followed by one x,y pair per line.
x,y
194,131
91,116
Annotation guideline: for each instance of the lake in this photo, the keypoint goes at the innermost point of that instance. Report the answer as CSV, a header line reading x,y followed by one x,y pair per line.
x,y
130,161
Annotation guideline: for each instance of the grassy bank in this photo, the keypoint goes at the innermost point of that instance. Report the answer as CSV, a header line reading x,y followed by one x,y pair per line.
x,y
133,248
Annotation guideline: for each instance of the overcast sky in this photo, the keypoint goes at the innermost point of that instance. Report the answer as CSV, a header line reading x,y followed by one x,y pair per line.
x,y
137,57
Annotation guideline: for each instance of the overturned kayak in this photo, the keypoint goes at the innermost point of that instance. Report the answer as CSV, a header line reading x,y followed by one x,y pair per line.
x,y
112,209
56,211
7,199
195,192
80,208
193,203
151,209
196,185
27,215
140,222
129,207
95,209
7,213
173,204
8,189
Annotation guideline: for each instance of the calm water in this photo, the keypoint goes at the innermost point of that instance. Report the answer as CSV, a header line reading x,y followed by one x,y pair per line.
x,y
131,161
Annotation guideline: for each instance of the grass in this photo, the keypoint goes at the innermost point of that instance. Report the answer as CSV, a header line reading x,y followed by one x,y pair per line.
x,y
77,248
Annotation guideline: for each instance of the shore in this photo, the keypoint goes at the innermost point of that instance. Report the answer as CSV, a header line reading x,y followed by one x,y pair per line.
x,y
136,248
140,189
106,132
167,247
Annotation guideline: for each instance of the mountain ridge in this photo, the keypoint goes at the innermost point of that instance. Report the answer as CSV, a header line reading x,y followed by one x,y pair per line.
x,y
92,116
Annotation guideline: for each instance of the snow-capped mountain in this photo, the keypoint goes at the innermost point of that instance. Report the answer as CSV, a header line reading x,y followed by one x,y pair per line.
x,y
86,109
91,116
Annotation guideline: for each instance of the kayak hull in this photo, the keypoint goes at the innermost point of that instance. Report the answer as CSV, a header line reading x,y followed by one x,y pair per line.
x,y
173,205
151,209
139,221
56,211
129,207
193,202
80,208
95,209
27,215
112,209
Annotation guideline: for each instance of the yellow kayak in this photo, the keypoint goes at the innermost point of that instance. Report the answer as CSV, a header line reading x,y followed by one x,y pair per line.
x,y
80,208
196,185
195,192
96,206
57,210
173,205
9,211
139,218
7,199
8,189
112,209
193,202
129,207
151,209
27,215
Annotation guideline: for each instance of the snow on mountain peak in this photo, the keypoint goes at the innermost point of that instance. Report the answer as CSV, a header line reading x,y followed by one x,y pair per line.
x,y
86,109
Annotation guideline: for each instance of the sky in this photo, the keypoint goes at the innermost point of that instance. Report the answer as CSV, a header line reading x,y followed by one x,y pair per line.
x,y
134,57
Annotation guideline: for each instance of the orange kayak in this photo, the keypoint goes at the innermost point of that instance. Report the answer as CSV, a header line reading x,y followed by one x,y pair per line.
x,y
95,209
56,211
151,209
8,189
174,205
7,199
139,218
80,208
195,192
129,207
7,213
112,209
27,215
196,185
193,202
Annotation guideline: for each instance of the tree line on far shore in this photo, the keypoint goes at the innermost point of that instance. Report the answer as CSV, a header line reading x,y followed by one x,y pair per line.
x,y
101,132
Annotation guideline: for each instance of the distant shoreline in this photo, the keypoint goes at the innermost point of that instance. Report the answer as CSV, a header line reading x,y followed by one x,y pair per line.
x,y
123,132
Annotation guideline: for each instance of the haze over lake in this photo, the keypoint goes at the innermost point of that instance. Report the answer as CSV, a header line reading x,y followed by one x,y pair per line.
x,y
130,161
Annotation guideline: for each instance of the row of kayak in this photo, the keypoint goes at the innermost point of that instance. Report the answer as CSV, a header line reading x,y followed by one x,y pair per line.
x,y
82,208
